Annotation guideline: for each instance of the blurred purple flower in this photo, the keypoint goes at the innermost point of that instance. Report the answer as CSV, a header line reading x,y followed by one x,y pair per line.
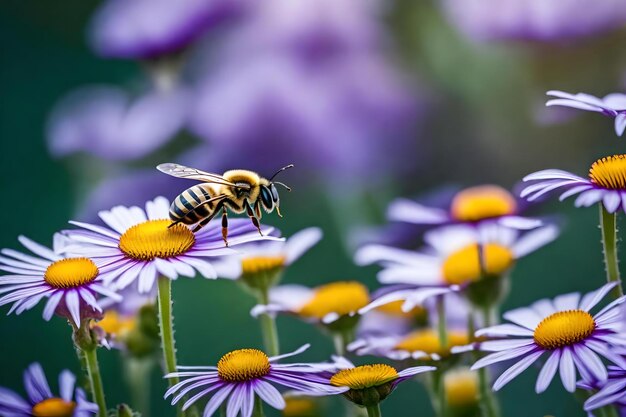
x,y
356,115
310,30
108,123
539,20
140,29
128,188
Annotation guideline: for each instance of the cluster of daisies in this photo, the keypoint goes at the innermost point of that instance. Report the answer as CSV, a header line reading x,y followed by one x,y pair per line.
x,y
435,317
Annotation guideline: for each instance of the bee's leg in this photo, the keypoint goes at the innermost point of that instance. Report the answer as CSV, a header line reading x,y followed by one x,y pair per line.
x,y
255,221
257,210
204,222
225,225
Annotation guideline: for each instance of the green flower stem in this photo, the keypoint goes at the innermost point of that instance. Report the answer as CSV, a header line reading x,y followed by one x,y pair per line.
x,y
341,340
95,380
374,411
438,393
166,325
441,322
137,373
268,326
488,402
168,345
608,224
257,411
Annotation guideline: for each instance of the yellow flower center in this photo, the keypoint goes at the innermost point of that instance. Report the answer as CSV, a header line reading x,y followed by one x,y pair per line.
x,y
461,388
297,407
155,239
365,376
71,273
257,264
54,407
114,324
339,297
609,172
564,328
464,266
243,365
482,202
394,308
427,341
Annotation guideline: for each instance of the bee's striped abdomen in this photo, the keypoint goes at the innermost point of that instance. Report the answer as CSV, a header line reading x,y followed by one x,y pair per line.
x,y
192,205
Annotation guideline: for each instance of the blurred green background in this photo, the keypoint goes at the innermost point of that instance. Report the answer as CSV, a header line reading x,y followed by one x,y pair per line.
x,y
482,131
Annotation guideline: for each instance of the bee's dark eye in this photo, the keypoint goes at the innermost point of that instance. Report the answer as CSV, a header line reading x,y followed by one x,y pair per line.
x,y
266,197
274,193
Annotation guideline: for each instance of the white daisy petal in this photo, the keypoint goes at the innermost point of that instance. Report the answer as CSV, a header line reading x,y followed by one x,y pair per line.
x,y
301,242
567,371
519,367
548,371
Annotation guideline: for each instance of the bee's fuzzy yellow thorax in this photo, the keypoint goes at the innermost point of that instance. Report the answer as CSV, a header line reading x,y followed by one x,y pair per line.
x,y
242,175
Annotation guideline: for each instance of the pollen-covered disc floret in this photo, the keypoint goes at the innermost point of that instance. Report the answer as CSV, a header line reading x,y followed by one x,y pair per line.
x,y
54,407
71,273
564,328
464,266
156,239
243,365
482,202
257,264
609,172
341,298
427,341
365,376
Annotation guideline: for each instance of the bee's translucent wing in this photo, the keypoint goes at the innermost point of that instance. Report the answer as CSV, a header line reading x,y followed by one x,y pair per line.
x,y
181,171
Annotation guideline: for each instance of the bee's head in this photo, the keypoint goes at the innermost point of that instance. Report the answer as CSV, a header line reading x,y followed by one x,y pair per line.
x,y
269,194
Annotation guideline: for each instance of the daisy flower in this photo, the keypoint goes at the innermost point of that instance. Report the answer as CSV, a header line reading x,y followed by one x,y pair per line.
x,y
131,324
138,245
336,304
564,328
390,319
301,406
612,105
245,374
41,402
368,385
461,388
260,264
484,203
421,344
451,261
70,284
605,184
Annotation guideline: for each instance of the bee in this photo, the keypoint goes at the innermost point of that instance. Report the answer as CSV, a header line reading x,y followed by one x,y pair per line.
x,y
237,190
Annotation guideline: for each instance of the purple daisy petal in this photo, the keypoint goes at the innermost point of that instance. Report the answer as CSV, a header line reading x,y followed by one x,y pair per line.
x,y
67,380
248,402
269,394
72,302
36,383
503,356
51,305
515,370
218,398
567,371
236,400
546,375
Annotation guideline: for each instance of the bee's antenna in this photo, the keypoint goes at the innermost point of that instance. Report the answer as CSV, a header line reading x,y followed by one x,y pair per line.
x,y
281,170
284,185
